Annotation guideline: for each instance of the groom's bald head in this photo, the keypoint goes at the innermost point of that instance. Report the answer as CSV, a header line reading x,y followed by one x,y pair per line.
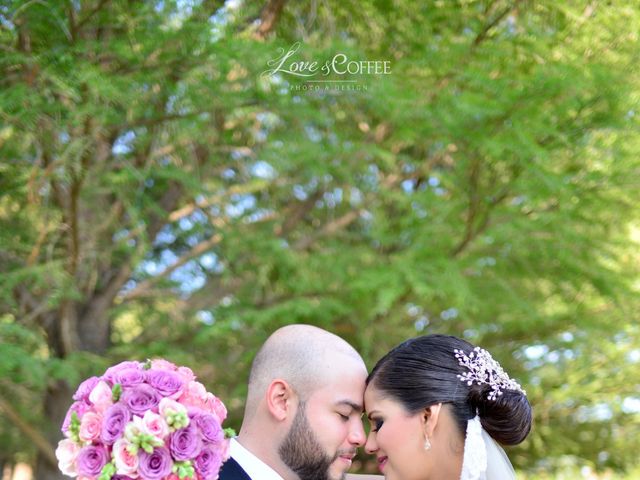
x,y
301,355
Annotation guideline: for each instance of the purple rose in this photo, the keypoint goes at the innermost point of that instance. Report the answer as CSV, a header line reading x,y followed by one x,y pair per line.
x,y
121,477
91,459
83,391
80,408
208,463
185,443
140,398
155,465
111,371
210,428
115,419
167,383
129,377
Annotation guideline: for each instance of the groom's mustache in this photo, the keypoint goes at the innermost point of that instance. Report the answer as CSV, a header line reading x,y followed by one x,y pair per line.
x,y
345,452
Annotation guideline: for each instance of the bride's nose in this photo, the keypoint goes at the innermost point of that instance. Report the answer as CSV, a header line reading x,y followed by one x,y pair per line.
x,y
371,445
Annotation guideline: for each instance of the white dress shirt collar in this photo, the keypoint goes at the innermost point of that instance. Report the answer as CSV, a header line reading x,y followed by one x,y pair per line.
x,y
255,468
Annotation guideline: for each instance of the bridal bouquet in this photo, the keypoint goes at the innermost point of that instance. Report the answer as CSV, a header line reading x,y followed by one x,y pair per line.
x,y
147,421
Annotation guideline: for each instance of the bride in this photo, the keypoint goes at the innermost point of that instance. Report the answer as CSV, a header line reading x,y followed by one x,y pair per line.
x,y
439,409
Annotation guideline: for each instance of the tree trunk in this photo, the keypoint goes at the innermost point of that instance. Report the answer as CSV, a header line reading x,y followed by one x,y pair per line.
x,y
92,331
57,401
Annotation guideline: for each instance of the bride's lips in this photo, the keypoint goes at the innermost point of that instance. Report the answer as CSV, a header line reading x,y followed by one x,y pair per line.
x,y
382,461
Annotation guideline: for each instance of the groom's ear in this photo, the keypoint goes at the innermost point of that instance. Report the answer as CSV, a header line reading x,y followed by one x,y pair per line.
x,y
430,416
280,398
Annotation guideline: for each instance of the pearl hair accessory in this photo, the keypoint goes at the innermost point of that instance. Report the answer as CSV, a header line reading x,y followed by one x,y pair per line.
x,y
483,369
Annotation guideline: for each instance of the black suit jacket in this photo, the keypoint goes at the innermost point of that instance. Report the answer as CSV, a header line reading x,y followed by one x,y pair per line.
x,y
231,470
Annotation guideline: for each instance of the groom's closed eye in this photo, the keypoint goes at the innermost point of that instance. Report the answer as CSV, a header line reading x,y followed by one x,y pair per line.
x,y
346,409
347,413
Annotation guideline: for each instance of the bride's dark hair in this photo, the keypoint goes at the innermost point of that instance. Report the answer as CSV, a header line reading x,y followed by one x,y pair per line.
x,y
423,371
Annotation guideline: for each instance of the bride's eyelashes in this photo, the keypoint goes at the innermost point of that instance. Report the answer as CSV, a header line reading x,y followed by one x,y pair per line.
x,y
377,424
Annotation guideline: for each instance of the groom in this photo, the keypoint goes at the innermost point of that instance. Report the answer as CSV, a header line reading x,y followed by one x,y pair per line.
x,y
302,417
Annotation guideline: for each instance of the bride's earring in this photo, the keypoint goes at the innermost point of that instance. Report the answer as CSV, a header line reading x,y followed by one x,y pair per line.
x,y
427,443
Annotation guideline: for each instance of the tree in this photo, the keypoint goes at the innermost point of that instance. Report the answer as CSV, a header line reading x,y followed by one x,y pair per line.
x,y
163,197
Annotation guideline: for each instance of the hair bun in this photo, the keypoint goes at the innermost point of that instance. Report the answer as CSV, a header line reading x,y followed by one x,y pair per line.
x,y
507,419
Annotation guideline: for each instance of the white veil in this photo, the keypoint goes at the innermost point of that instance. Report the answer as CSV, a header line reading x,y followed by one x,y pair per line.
x,y
483,458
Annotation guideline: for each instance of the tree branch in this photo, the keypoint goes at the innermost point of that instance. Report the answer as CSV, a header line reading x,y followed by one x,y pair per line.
x,y
268,18
199,249
94,327
158,119
35,251
74,235
495,21
91,13
212,293
33,434
297,213
188,209
73,26
472,210
329,229
475,228
68,331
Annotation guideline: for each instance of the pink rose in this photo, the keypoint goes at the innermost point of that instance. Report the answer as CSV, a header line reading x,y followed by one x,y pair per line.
x,y
66,453
194,395
161,364
101,396
225,452
168,406
215,406
186,374
154,424
126,463
90,426
173,476
80,408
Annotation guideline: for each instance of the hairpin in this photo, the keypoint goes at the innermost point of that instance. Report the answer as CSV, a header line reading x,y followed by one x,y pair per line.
x,y
483,369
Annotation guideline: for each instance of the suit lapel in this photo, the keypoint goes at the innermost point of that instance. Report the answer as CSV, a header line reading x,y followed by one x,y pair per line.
x,y
231,470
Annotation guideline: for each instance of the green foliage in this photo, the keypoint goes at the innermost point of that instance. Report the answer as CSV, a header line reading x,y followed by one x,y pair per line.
x,y
161,197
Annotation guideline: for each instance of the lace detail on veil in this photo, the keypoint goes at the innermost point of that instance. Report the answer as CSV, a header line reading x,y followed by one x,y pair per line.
x,y
483,458
474,461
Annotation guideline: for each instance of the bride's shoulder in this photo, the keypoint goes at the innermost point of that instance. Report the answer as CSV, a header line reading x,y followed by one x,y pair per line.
x,y
353,476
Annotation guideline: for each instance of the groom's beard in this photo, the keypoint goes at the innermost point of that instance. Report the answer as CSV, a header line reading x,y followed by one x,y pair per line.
x,y
302,452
